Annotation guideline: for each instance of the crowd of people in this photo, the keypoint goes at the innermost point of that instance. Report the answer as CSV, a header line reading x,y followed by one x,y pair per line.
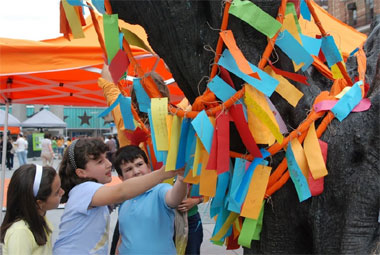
x,y
18,147
146,205
151,214
52,147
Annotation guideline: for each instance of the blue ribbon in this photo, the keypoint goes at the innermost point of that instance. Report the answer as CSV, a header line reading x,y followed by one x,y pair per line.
x,y
221,188
182,143
305,12
348,101
126,111
296,175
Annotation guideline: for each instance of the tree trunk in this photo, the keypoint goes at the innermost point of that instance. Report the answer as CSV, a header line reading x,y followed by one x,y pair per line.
x,y
344,218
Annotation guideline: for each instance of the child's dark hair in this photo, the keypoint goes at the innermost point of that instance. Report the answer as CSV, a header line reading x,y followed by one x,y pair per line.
x,y
128,154
162,88
22,204
82,150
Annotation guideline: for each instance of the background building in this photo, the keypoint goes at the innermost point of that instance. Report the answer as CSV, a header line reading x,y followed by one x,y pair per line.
x,y
356,13
80,120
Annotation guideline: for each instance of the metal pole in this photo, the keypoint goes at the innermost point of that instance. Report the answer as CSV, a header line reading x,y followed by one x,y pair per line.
x,y
3,156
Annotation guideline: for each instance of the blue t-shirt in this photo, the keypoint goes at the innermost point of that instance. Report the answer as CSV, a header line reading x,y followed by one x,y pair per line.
x,y
83,230
146,223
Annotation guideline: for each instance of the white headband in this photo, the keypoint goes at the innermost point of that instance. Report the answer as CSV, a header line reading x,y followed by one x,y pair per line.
x,y
37,180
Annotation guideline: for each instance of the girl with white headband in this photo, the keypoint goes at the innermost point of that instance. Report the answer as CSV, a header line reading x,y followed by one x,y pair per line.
x,y
32,191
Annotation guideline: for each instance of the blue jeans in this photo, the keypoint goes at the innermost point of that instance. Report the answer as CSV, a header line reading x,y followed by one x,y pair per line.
x,y
22,159
60,151
195,237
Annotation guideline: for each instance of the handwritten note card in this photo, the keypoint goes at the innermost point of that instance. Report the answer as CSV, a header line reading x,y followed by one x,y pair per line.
x,y
159,111
297,177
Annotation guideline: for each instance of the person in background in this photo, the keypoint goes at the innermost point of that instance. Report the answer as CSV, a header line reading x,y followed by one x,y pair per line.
x,y
54,145
47,153
117,142
68,142
10,152
195,234
21,149
111,143
61,146
9,155
32,191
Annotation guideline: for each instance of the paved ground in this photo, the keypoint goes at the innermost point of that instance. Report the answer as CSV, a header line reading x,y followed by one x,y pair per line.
x,y
208,224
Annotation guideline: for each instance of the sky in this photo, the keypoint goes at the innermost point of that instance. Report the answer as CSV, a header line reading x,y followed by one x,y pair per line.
x,y
29,19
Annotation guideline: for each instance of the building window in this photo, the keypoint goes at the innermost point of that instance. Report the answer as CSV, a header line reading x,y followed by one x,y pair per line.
x,y
369,14
352,15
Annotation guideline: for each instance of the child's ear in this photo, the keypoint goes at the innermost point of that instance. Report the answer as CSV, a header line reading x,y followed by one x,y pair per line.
x,y
121,178
81,173
40,204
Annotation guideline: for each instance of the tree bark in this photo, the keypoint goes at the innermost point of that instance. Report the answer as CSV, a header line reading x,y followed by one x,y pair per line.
x,y
344,218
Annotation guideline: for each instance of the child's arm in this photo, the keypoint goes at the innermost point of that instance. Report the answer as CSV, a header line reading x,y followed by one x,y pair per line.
x,y
111,93
130,188
189,203
117,246
175,195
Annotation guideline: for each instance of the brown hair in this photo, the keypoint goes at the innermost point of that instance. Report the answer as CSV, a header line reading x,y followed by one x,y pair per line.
x,y
84,150
128,154
161,87
22,204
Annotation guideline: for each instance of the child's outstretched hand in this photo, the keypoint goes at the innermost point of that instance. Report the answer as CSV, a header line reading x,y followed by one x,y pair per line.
x,y
106,73
170,174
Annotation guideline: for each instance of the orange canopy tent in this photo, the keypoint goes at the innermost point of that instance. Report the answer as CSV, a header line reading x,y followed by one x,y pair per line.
x,y
63,72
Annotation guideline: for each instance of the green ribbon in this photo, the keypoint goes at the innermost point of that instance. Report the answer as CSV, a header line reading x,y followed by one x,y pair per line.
x,y
256,17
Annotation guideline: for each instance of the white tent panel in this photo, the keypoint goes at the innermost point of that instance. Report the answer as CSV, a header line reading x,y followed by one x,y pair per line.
x,y
12,120
44,119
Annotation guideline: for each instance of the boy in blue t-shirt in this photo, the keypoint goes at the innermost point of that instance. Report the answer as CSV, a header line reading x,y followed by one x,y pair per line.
x,y
146,222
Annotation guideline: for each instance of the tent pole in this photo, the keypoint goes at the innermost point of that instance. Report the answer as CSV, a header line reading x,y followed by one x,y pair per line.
x,y
3,157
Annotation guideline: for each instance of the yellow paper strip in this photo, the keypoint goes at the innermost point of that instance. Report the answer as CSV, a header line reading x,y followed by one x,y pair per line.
x,y
300,157
289,24
169,181
169,121
253,106
197,156
314,154
259,131
256,192
73,19
159,112
223,230
344,91
297,67
171,159
285,89
336,72
191,179
208,179
238,228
